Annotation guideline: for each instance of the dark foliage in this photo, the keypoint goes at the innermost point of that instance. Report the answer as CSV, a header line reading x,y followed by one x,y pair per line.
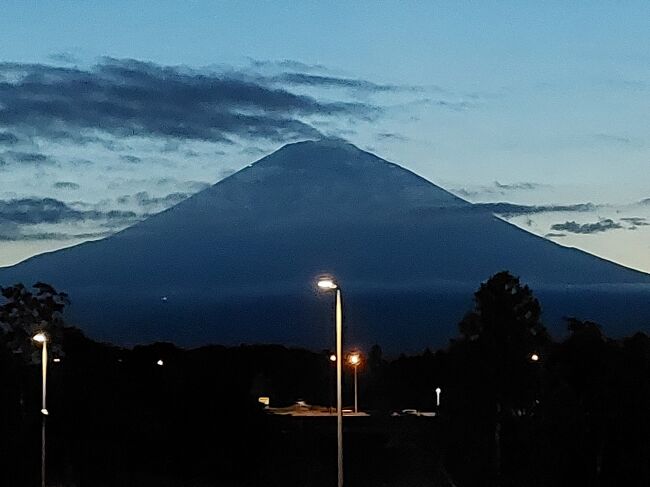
x,y
576,417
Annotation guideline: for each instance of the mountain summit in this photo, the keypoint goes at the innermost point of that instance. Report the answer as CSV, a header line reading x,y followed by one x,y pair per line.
x,y
235,262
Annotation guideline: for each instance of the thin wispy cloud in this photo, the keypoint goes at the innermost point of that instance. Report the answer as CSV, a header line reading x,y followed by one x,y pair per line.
x,y
66,185
516,186
391,136
498,188
64,58
144,200
32,211
636,221
511,209
322,81
32,158
587,228
612,139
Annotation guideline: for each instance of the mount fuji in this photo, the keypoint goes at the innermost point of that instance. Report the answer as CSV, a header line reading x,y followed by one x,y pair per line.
x,y
237,262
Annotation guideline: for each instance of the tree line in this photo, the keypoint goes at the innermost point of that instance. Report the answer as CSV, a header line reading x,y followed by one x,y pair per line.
x,y
517,408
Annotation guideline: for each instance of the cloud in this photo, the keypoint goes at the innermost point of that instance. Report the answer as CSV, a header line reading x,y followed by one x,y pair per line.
x,y
144,200
615,139
286,64
636,221
65,185
64,58
22,237
306,79
587,228
391,136
457,106
511,209
35,158
516,186
7,138
130,159
33,211
125,97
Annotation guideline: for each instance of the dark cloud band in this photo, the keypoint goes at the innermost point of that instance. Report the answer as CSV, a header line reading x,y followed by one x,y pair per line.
x,y
131,98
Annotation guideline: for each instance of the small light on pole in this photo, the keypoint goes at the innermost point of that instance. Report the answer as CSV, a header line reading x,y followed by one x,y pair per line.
x,y
40,338
332,358
327,284
534,357
438,391
160,362
355,359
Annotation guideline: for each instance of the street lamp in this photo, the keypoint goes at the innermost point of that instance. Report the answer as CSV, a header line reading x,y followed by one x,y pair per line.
x,y
438,391
354,359
42,339
328,284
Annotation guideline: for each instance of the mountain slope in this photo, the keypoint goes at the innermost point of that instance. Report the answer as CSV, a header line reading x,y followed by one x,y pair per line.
x,y
264,233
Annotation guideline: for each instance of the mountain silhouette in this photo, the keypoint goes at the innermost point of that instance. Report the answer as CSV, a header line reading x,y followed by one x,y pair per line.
x,y
237,262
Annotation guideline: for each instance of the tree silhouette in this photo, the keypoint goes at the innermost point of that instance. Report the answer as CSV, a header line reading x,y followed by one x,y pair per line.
x,y
505,339
26,312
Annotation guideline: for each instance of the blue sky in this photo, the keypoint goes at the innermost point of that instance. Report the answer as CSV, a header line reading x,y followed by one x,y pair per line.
x,y
534,103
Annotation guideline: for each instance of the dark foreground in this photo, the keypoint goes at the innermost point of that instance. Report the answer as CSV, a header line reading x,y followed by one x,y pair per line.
x,y
119,419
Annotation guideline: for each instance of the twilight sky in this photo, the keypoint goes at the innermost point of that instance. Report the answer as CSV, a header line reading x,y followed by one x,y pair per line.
x,y
110,111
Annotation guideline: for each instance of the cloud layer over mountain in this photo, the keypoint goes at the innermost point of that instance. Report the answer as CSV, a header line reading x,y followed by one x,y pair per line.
x,y
124,97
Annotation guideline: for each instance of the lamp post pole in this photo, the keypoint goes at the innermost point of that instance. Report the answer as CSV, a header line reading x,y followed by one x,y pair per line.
x,y
328,284
339,397
42,339
354,359
356,402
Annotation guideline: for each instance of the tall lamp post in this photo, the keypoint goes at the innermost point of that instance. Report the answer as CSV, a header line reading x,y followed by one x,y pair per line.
x,y
42,339
330,285
355,359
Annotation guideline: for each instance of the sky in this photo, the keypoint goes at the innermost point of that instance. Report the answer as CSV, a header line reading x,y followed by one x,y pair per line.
x,y
112,111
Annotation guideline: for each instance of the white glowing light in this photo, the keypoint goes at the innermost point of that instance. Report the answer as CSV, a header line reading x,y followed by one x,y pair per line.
x,y
333,358
327,284
160,362
40,338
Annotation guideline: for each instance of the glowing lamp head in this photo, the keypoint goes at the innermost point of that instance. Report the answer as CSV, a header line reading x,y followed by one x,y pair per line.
x,y
438,390
57,360
534,357
354,359
160,362
327,284
44,412
332,358
40,337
